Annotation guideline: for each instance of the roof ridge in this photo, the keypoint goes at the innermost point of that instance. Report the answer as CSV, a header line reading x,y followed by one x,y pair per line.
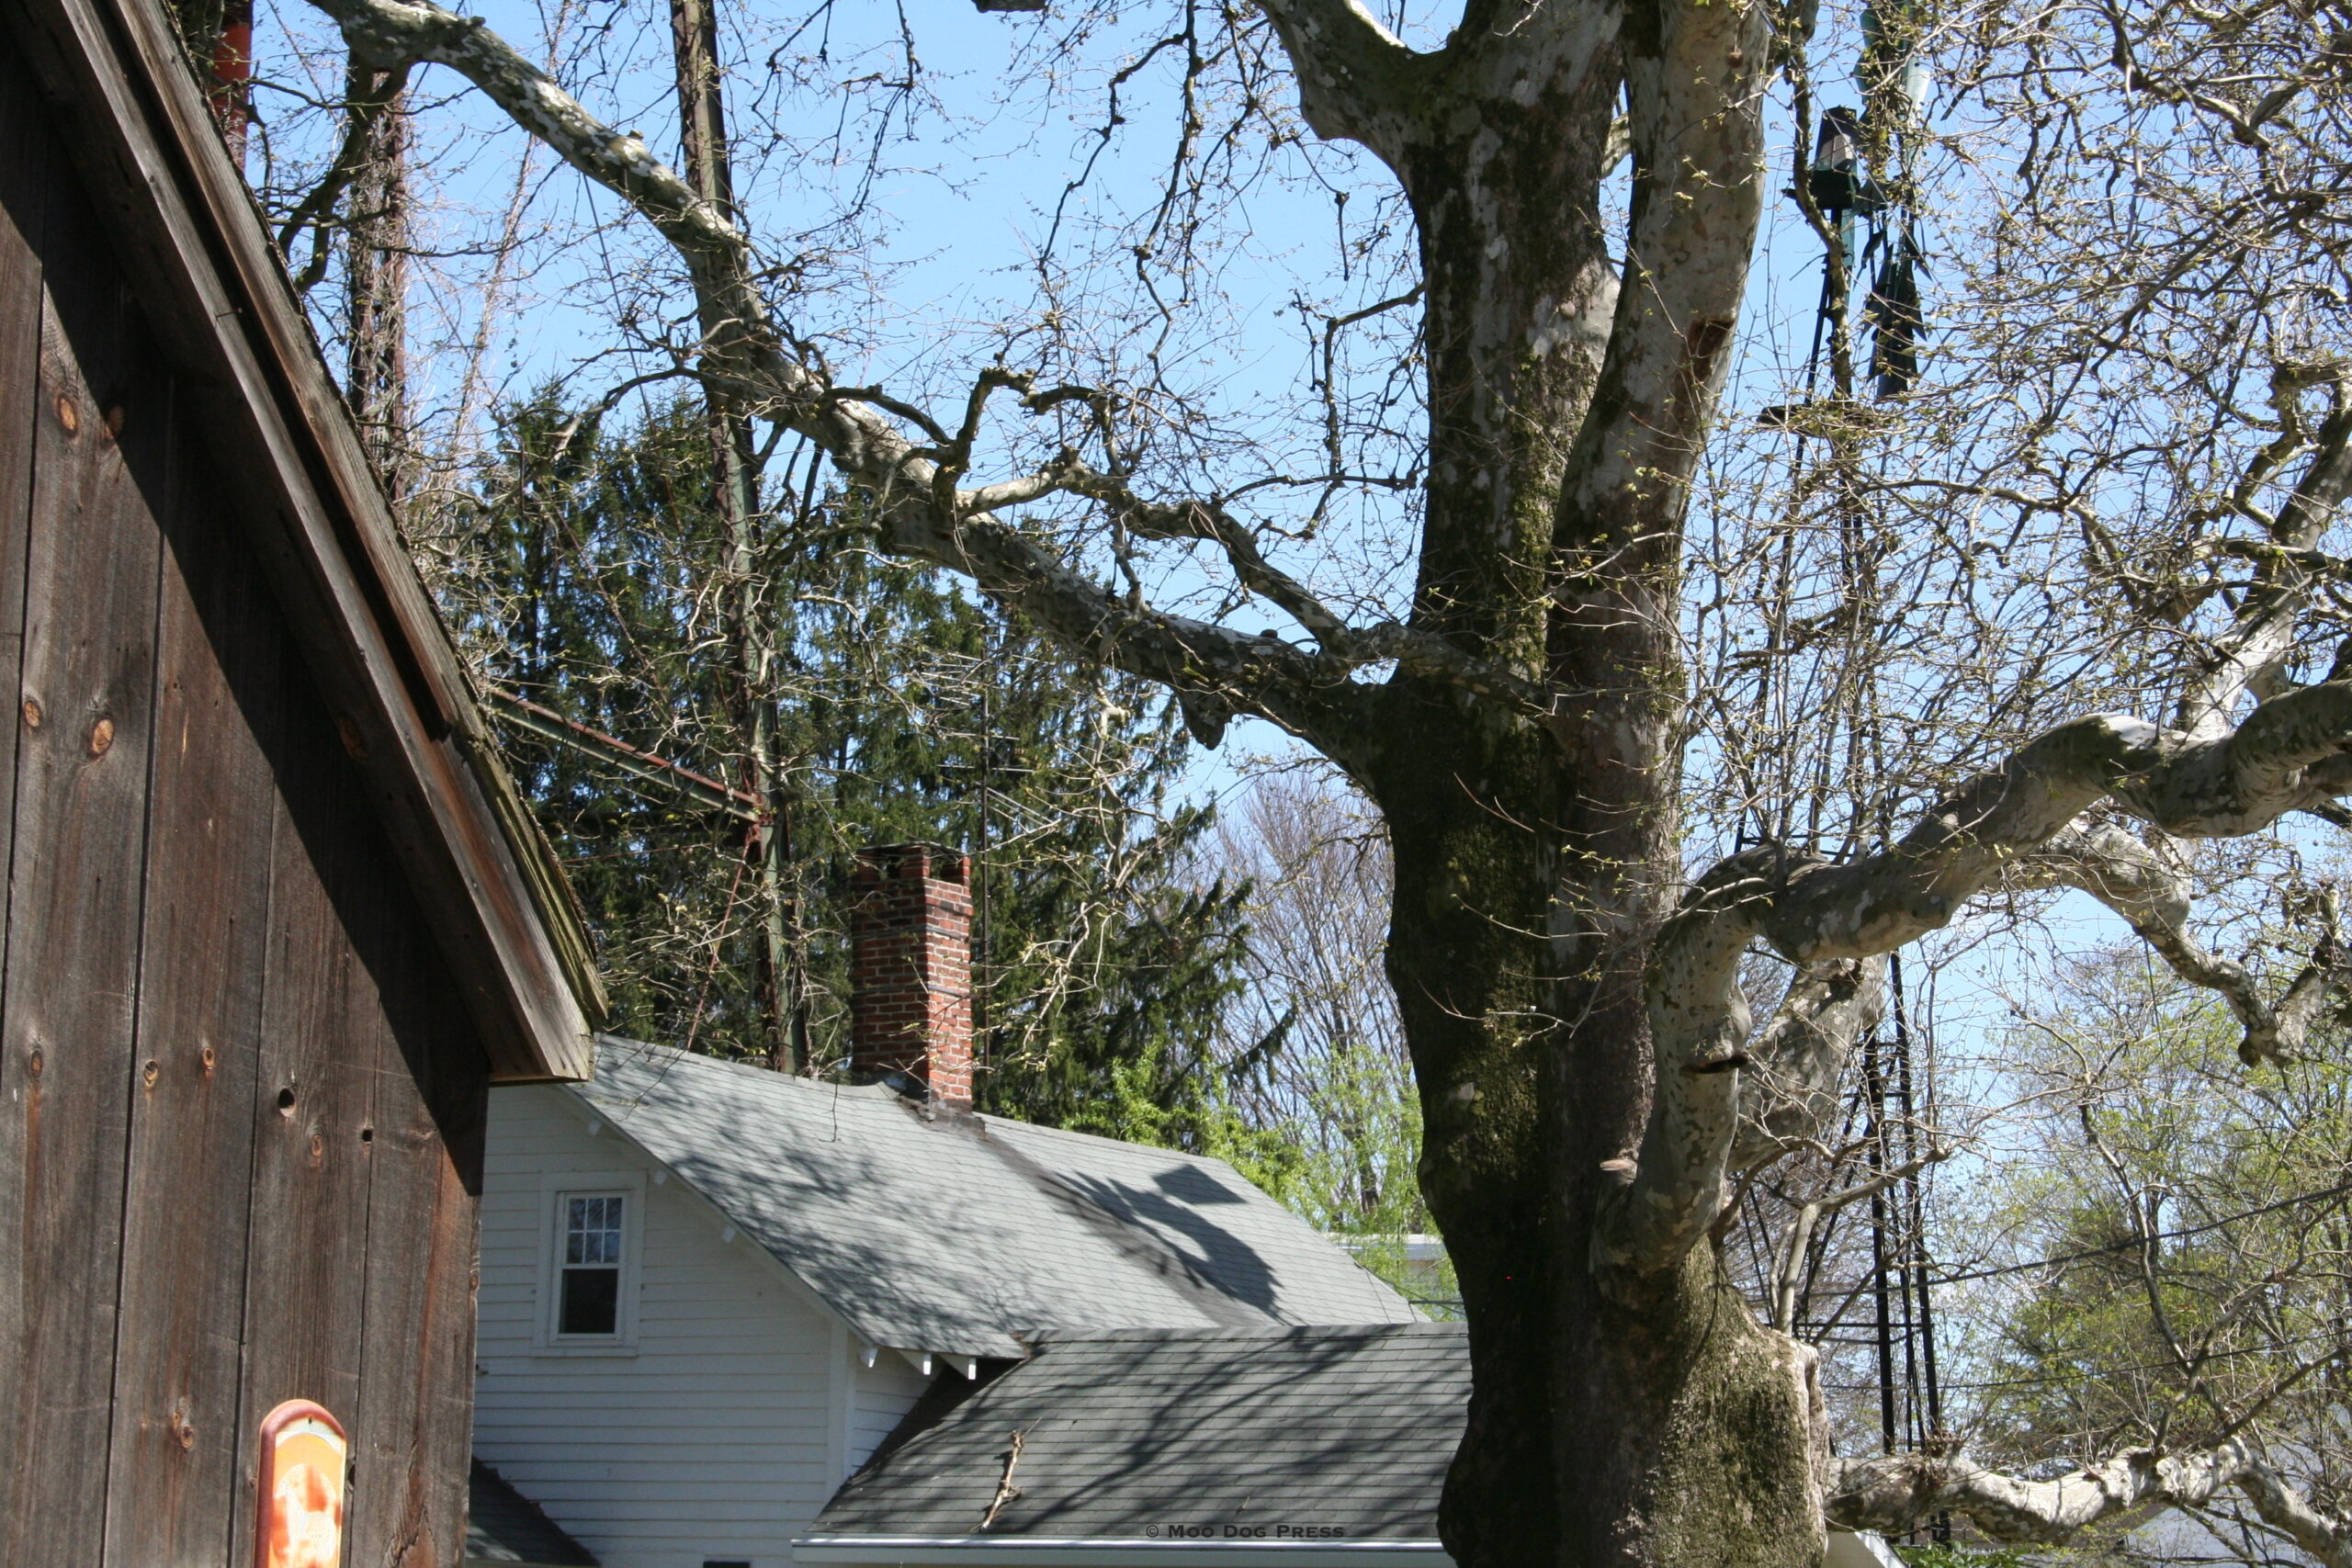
x,y
1421,1329
878,1090
1072,1132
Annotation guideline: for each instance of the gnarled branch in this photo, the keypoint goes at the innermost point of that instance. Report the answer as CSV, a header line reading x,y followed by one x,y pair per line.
x,y
2126,876
1788,1089
1894,1493
923,511
1355,79
2289,751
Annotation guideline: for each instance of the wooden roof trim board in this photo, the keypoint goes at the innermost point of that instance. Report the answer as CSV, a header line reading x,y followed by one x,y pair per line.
x,y
218,302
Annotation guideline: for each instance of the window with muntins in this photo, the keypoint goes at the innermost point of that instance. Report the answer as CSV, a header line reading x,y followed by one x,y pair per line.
x,y
588,1286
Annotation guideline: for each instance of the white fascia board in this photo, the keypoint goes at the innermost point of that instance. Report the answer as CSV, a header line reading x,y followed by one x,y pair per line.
x,y
927,1363
1107,1551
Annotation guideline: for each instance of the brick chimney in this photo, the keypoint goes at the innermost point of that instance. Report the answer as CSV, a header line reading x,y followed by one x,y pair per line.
x,y
910,968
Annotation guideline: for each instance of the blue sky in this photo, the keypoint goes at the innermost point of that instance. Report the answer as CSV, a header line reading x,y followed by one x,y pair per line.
x,y
943,251
952,218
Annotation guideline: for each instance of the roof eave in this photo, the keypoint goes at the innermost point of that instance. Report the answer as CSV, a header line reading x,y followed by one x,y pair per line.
x,y
1111,1551
316,518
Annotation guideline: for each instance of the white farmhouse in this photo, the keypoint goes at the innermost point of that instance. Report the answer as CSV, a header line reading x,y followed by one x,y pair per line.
x,y
712,1294
709,1291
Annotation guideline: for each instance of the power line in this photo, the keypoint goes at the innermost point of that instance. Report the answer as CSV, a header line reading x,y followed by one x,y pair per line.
x,y
2094,1373
2340,1189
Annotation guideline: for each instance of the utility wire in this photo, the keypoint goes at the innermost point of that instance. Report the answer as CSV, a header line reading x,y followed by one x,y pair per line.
x,y
2092,1374
2340,1189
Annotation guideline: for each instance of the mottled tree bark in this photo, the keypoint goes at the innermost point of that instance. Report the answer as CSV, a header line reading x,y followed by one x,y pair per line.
x,y
376,240
1653,1422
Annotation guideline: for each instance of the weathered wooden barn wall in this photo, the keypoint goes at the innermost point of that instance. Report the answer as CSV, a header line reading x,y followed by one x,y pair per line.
x,y
241,1098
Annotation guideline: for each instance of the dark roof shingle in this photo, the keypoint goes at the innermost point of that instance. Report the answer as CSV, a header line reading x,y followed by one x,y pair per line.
x,y
503,1525
1305,1434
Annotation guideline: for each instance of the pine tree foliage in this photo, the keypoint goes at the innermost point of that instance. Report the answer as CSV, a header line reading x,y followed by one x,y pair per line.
x,y
590,574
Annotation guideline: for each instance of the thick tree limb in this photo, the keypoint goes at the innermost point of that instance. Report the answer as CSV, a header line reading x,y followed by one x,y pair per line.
x,y
1693,88
1694,77
922,511
2125,874
1892,1494
1356,81
1789,1089
2289,751
392,33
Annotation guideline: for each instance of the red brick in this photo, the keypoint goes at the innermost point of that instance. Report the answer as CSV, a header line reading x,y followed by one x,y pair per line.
x,y
912,962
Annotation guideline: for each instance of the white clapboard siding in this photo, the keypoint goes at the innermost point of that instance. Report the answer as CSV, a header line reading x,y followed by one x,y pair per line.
x,y
881,1394
718,1437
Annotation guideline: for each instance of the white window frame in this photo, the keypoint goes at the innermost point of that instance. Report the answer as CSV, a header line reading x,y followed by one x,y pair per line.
x,y
555,1190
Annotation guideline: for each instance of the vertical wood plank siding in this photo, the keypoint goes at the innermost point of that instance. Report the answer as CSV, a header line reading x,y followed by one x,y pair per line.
x,y
21,210
318,1047
415,1413
241,1100
210,823
73,879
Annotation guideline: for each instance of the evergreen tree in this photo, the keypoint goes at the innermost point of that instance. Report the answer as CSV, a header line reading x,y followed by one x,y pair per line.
x,y
592,580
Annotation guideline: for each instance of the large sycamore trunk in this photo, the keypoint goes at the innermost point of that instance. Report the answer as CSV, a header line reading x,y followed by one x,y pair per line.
x,y
1664,1426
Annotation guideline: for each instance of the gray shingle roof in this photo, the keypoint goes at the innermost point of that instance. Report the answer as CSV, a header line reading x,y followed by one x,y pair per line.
x,y
1324,1433
966,1235
503,1525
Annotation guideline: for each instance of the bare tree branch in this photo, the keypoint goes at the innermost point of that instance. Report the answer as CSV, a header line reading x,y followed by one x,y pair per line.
x,y
2126,876
1214,669
1788,1271
2288,751
371,100
2263,632
1893,1493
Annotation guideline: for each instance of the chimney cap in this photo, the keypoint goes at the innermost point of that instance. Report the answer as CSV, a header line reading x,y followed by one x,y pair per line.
x,y
913,861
